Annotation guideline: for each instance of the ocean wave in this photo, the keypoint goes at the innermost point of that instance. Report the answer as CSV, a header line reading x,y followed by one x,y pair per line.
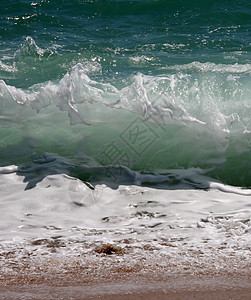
x,y
30,49
143,122
220,102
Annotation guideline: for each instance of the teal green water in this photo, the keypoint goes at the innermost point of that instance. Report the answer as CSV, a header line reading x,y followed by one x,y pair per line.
x,y
154,86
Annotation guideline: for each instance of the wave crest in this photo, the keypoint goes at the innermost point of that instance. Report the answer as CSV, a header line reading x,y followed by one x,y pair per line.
x,y
217,101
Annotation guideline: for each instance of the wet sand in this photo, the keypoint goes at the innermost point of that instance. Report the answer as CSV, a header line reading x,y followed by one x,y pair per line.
x,y
180,287
102,276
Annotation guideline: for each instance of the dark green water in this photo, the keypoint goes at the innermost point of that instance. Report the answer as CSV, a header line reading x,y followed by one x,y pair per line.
x,y
154,86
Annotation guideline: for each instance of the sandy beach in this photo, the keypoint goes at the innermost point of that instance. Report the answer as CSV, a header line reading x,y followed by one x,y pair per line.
x,y
124,275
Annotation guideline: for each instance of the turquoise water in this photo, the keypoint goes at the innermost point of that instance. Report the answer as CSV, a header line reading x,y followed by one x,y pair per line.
x,y
160,87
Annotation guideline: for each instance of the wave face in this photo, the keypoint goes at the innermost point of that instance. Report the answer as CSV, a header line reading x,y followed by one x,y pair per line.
x,y
157,87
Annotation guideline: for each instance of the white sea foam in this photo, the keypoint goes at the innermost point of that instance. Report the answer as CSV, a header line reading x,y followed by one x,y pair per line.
x,y
64,206
213,67
7,67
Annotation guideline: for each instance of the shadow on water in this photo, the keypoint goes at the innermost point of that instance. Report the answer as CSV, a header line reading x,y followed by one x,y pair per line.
x,y
113,176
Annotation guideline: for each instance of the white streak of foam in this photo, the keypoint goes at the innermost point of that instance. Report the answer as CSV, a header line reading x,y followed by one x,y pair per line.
x,y
7,68
8,169
212,67
230,189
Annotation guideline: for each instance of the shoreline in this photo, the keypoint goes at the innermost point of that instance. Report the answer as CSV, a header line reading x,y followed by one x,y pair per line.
x,y
127,276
